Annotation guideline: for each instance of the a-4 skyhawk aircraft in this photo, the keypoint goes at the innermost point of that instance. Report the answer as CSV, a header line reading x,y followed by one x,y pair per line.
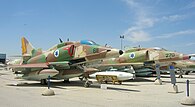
x,y
182,67
160,56
63,61
138,57
142,58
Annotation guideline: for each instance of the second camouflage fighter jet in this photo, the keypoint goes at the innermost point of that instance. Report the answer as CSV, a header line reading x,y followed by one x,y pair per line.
x,y
143,59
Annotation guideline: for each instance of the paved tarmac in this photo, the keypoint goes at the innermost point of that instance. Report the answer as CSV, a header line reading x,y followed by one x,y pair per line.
x,y
140,92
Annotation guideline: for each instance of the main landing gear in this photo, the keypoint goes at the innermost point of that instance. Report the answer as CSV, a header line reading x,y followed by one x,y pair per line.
x,y
87,83
66,81
43,81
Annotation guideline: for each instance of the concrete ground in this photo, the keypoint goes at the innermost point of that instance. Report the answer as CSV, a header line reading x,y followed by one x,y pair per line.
x,y
134,93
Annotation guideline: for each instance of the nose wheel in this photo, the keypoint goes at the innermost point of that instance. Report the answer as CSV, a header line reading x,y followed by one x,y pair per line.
x,y
87,83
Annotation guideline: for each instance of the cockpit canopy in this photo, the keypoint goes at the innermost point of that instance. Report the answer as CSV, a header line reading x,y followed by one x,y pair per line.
x,y
88,42
159,49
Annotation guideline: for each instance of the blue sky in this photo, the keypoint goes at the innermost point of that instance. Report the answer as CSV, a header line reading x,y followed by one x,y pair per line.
x,y
150,23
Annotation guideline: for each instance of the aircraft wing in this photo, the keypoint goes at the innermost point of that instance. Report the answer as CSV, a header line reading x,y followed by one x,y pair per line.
x,y
37,65
63,64
60,65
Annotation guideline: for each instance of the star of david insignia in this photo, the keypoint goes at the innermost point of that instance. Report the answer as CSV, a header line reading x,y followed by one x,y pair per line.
x,y
132,55
56,53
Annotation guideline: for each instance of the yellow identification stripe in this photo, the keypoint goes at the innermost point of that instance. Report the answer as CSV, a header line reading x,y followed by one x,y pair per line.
x,y
23,46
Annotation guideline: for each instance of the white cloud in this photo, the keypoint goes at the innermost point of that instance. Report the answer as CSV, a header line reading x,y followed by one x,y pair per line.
x,y
179,33
190,44
190,5
132,3
173,18
24,13
141,36
136,32
141,14
137,36
144,20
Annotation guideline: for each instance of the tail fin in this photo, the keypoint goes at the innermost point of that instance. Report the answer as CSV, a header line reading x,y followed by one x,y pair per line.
x,y
26,47
28,51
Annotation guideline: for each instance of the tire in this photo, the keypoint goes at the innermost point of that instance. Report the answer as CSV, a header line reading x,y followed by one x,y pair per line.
x,y
86,85
43,82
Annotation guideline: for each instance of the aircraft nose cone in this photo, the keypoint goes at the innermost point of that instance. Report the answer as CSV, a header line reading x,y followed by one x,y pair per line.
x,y
120,52
185,57
114,53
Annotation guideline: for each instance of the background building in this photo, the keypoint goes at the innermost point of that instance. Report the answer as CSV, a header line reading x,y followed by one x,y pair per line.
x,y
2,58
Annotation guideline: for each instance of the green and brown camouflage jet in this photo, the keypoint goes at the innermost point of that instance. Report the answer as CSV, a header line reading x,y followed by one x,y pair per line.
x,y
63,61
187,65
182,67
143,58
183,64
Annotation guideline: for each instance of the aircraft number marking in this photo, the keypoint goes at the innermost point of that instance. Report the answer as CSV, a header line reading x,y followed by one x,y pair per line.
x,y
95,50
169,55
56,53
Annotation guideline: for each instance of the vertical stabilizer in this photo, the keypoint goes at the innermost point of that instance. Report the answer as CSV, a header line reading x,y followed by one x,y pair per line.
x,y
26,47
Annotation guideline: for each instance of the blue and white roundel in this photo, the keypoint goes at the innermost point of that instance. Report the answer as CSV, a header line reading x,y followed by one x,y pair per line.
x,y
56,53
132,55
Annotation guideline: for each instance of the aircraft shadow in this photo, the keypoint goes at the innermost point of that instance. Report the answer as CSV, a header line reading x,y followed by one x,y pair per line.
x,y
59,85
191,82
3,74
62,85
140,79
123,83
188,77
122,89
168,76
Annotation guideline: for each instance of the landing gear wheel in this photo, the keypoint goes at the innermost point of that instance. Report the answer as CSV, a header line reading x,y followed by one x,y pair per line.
x,y
187,72
106,82
120,82
81,78
43,82
87,83
181,74
66,81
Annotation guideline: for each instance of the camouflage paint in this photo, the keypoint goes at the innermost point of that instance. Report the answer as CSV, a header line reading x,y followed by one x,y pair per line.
x,y
37,59
65,53
185,64
36,52
137,56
